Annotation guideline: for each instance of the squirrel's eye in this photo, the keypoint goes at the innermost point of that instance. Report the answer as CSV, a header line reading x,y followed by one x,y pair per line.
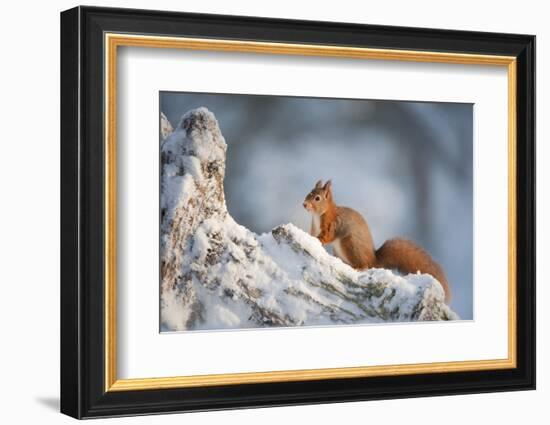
x,y
317,198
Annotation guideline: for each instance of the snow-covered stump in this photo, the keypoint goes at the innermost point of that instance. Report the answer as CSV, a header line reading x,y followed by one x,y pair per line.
x,y
217,274
165,127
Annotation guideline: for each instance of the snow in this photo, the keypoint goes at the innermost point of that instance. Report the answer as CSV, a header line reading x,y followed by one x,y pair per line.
x,y
165,127
216,274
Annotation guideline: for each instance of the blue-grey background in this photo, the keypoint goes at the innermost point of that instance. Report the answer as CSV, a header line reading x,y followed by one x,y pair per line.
x,y
406,166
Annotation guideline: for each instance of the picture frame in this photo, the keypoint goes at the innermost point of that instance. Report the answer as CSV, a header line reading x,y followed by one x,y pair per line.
x,y
90,40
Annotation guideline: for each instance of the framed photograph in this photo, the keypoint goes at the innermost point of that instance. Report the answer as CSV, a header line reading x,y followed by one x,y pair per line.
x,y
261,212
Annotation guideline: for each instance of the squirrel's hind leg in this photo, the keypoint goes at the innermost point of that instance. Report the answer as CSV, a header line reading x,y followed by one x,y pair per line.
x,y
353,254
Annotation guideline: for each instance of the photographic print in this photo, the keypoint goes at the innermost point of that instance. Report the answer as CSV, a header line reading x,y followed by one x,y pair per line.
x,y
283,211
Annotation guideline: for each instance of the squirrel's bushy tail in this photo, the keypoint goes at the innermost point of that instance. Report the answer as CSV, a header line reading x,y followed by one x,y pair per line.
x,y
408,257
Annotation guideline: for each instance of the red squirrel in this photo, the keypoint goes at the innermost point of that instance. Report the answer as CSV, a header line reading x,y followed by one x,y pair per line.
x,y
349,234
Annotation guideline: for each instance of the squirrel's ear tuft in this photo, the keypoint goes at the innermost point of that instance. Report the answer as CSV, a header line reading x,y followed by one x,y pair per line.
x,y
328,188
319,184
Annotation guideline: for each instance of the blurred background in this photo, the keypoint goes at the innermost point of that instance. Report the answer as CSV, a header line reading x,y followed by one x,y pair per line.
x,y
405,166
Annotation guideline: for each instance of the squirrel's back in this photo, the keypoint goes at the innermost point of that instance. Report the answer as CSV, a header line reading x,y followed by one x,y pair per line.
x,y
350,222
353,240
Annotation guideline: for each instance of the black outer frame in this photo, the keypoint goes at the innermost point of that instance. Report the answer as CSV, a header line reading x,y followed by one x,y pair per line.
x,y
82,218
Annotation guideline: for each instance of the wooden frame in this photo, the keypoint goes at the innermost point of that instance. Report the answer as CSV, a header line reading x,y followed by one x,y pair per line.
x,y
89,41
